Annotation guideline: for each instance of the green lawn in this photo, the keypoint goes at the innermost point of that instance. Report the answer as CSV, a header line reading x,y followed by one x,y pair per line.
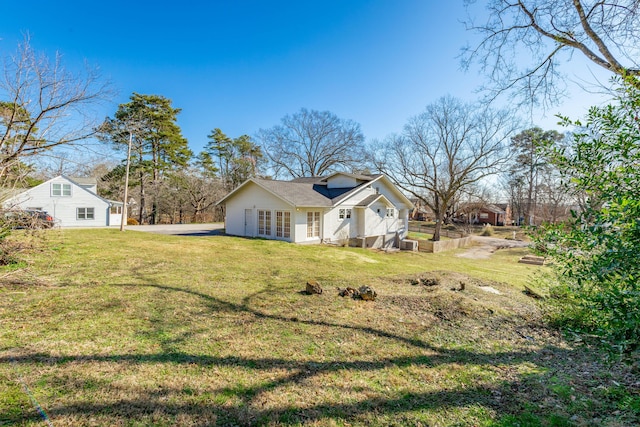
x,y
134,329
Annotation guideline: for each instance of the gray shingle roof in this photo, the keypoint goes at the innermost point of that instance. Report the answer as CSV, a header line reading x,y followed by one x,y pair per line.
x,y
83,181
313,191
296,193
369,200
493,209
358,176
307,179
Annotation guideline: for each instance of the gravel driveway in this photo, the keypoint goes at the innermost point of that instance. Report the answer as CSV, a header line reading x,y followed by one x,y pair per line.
x,y
181,229
484,247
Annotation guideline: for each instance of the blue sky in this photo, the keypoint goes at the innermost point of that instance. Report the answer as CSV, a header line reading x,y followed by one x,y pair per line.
x,y
242,65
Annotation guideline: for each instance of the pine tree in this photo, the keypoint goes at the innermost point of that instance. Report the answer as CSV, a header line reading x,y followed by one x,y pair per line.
x,y
158,146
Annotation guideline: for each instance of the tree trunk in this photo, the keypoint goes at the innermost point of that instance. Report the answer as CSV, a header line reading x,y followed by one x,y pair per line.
x,y
154,211
438,210
143,200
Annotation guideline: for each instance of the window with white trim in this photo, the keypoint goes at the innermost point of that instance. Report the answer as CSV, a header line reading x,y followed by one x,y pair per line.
x,y
344,213
85,213
60,189
391,212
283,224
116,210
264,223
313,224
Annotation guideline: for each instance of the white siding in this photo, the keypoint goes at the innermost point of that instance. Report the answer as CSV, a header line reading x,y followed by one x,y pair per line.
x,y
301,225
255,198
114,218
336,229
371,189
375,221
356,198
403,223
64,208
342,181
370,222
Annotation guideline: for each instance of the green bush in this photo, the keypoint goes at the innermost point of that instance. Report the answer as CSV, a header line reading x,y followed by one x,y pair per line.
x,y
596,254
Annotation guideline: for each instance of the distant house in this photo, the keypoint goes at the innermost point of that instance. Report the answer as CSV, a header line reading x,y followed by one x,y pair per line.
x,y
508,216
420,211
362,210
490,214
72,202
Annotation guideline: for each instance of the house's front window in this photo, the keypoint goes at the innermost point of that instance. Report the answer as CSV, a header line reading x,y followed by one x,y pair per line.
x,y
85,213
116,210
313,224
264,223
60,189
344,213
283,224
391,212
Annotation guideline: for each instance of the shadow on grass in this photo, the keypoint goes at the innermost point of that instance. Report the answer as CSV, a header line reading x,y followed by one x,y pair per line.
x,y
246,405
249,410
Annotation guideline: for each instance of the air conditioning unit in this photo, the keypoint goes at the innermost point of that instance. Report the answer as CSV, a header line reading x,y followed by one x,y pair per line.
x,y
409,245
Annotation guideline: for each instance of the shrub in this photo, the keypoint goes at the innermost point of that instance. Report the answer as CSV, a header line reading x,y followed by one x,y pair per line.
x,y
132,221
596,253
487,230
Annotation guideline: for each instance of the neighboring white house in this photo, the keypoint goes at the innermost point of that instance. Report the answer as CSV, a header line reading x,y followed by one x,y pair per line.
x,y
71,202
364,210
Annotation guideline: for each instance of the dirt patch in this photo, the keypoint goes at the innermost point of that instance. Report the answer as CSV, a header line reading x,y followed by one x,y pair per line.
x,y
442,278
22,284
484,247
439,296
451,296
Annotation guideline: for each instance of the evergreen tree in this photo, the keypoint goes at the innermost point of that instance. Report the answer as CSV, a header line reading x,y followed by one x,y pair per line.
x,y
238,159
158,147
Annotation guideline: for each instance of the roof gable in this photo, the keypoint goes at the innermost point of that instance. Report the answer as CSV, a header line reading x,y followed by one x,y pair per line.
x,y
65,178
347,180
492,209
315,191
370,200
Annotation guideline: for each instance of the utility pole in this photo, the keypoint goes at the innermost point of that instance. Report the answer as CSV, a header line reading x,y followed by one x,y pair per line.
x,y
126,184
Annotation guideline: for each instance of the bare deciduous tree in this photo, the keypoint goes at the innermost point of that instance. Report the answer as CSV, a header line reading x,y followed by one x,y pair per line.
x,y
42,105
554,199
311,143
529,166
524,42
446,149
190,195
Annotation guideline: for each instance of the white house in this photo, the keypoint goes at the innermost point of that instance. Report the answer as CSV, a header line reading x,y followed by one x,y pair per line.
x,y
363,210
71,202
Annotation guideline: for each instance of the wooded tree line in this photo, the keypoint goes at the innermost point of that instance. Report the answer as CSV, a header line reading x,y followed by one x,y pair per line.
x,y
441,157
